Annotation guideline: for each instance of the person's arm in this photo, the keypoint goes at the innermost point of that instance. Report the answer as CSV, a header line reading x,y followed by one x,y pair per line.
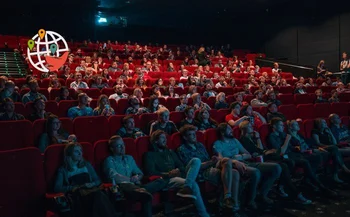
x,y
285,144
43,142
233,123
135,169
95,180
178,164
217,149
258,140
245,155
174,128
111,173
60,184
263,120
330,134
317,139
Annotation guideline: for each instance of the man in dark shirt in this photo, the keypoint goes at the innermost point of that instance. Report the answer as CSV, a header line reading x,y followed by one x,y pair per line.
x,y
189,120
9,111
339,130
129,130
9,92
164,162
319,97
163,123
279,142
272,98
273,112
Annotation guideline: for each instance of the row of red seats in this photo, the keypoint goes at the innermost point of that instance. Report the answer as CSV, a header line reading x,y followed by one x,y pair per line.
x,y
91,129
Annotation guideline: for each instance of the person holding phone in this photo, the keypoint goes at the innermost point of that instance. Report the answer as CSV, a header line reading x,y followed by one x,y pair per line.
x,y
103,109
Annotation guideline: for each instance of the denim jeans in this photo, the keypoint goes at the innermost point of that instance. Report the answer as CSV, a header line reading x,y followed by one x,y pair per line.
x,y
192,170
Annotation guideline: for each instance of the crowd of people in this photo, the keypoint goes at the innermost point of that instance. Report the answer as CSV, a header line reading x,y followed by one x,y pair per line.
x,y
234,160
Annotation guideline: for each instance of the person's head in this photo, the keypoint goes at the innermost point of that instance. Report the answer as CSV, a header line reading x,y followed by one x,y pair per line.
x,y
33,86
159,82
83,99
155,89
129,122
53,124
272,95
220,97
10,86
8,105
311,81
196,97
238,97
301,79
153,102
183,99
293,126
334,93
64,92
73,155
344,55
258,94
272,107
203,114
246,127
334,119
138,93
208,86
225,131
273,79
235,108
318,93
277,125
188,134
102,101
78,76
134,102
159,140
275,65
163,115
116,146
39,104
189,112
247,110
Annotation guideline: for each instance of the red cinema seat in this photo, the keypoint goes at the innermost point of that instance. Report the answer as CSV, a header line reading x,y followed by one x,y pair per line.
x,y
177,117
322,110
107,91
210,136
306,111
51,106
221,115
122,105
67,125
142,146
344,97
20,109
55,92
226,90
16,134
311,89
248,98
264,131
22,183
91,129
39,127
341,108
176,140
290,111
286,99
308,126
302,99
92,92
171,103
93,103
45,92
64,106
146,120
286,90
345,120
53,159
161,100
211,101
328,89
115,123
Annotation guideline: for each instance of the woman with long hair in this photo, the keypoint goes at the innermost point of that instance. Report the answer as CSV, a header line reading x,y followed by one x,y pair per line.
x,y
103,108
204,121
79,181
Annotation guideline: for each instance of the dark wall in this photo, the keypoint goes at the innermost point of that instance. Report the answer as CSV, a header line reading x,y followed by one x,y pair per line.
x,y
310,39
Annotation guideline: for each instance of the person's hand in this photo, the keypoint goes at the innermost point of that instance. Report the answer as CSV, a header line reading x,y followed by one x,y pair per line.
x,y
215,159
134,179
288,136
271,151
241,167
256,134
327,130
246,117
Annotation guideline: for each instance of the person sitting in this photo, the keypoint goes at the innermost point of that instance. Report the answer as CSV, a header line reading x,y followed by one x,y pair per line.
x,y
257,101
156,91
234,119
33,94
204,121
334,97
99,84
163,123
280,143
221,101
77,176
299,89
272,98
134,107
319,97
103,108
170,92
161,161
78,83
138,93
222,82
121,169
325,141
128,130
54,83
251,141
209,91
255,117
154,105
189,118
183,103
82,109
197,102
340,131
64,95
9,113
39,110
212,169
54,134
229,147
9,92
118,93
273,113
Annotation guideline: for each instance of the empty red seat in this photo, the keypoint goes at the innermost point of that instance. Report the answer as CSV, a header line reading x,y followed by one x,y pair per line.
x,y
210,136
67,125
311,89
91,129
16,134
264,131
177,117
39,127
340,108
308,126
226,90
64,106
306,111
51,106
122,105
285,90
344,97
302,99
220,115
22,183
286,99
322,110
20,109
171,103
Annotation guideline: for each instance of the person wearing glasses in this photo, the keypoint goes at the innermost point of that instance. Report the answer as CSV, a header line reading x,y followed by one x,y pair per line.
x,y
79,83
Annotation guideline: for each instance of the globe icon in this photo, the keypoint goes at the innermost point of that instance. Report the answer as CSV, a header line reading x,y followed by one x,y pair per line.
x,y
41,49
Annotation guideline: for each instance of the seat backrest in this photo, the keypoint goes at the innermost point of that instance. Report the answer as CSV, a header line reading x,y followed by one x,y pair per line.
x,y
302,99
122,105
142,146
91,129
20,109
308,126
16,134
146,119
264,131
115,123
322,110
67,125
210,136
39,127
22,183
51,106
177,117
306,111
341,108
290,111
286,99
64,106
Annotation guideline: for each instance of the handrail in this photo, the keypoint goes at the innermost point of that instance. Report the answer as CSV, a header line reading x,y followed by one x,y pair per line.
x,y
285,64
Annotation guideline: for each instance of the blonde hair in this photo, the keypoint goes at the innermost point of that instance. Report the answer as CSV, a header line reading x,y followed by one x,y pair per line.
x,y
68,152
161,111
219,96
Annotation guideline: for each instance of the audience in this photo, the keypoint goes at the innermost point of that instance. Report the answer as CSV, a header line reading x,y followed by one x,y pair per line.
x,y
82,109
33,94
163,123
9,113
204,121
103,107
39,110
